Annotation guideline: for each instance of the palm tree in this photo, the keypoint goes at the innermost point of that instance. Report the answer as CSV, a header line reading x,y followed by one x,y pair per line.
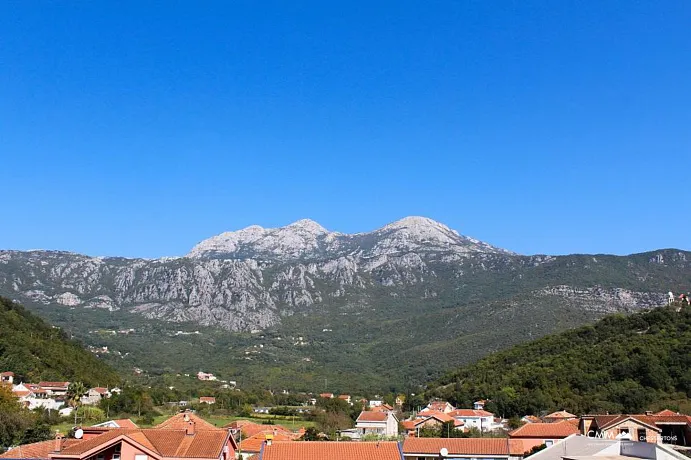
x,y
74,396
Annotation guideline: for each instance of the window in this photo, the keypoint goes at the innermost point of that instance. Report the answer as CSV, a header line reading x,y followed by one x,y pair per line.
x,y
140,457
548,442
642,437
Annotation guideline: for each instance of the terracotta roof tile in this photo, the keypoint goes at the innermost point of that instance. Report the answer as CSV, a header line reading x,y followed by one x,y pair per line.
x,y
126,423
554,430
251,429
254,443
180,421
371,416
560,414
322,450
166,442
463,446
667,412
470,413
41,449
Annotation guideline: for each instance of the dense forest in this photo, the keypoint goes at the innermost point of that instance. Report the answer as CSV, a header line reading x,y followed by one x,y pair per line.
x,y
619,364
35,351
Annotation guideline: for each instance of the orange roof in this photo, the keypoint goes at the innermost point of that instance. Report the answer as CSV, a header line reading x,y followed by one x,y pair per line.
x,y
21,393
207,399
532,419
125,423
179,422
556,430
251,429
343,396
7,374
164,442
54,384
320,450
667,412
470,413
371,416
254,443
41,449
463,446
560,414
382,408
441,416
100,390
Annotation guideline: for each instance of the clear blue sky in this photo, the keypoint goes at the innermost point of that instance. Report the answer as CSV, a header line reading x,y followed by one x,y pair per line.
x,y
539,126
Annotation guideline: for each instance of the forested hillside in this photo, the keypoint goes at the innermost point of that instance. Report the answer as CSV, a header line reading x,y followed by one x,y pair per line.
x,y
36,351
619,364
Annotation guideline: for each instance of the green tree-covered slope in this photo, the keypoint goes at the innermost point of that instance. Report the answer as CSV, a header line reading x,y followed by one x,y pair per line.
x,y
619,364
36,351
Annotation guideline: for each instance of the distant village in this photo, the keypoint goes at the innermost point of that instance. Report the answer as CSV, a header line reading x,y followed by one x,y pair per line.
x,y
380,432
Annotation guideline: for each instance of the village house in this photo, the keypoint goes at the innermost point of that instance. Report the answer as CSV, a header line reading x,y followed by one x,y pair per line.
x,y
207,400
7,377
429,419
383,408
183,436
559,416
374,403
327,395
479,405
324,450
55,388
531,419
664,427
546,433
383,424
441,406
472,418
94,396
345,398
206,376
465,448
33,397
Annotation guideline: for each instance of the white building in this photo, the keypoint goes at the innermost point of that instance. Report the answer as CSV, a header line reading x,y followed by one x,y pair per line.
x,y
471,418
377,423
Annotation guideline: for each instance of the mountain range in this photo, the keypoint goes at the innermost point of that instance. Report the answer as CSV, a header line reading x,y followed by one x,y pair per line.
x,y
291,306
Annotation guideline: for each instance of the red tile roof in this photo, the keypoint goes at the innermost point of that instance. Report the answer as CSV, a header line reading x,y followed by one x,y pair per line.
x,y
371,416
251,429
254,443
667,412
41,449
125,423
463,446
470,413
100,390
54,384
164,442
556,430
7,374
560,414
180,421
325,450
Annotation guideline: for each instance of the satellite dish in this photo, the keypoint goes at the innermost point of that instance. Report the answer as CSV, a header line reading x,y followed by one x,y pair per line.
x,y
79,433
444,452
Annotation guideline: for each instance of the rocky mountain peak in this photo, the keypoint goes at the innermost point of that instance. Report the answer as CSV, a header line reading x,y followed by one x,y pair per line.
x,y
306,238
308,226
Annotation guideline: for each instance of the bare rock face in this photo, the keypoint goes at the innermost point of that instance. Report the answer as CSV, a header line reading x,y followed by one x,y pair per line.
x,y
249,279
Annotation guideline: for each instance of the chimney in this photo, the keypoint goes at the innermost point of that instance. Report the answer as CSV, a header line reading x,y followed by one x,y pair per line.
x,y
648,412
269,439
57,446
191,428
